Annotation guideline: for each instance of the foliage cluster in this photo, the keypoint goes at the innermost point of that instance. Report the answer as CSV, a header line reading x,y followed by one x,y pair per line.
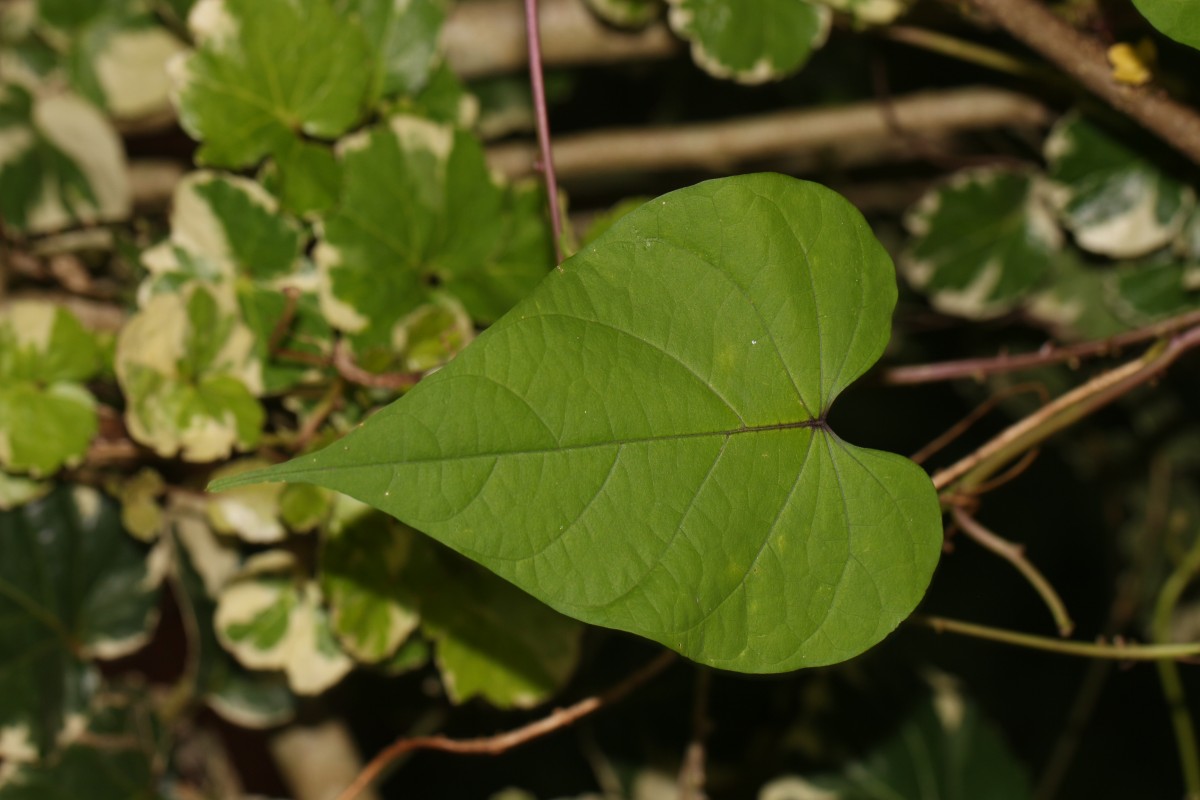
x,y
640,439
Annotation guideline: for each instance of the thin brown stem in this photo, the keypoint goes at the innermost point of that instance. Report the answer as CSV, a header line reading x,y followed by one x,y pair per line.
x,y
1085,59
503,742
533,35
968,473
344,363
979,412
1015,554
1168,672
1114,651
692,774
978,368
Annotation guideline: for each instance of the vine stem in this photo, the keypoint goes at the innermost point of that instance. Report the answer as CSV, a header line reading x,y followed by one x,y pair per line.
x,y
976,468
538,86
1015,554
979,368
1085,59
1168,671
503,742
1117,651
970,52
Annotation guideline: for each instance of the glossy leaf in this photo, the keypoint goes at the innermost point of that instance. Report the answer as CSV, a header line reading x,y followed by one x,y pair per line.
x,y
981,242
47,416
403,36
1145,292
1116,201
267,70
1175,18
52,176
750,41
419,198
642,442
73,586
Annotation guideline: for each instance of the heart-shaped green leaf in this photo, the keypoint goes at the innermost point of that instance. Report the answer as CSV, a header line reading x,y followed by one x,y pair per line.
x,y
642,442
1175,18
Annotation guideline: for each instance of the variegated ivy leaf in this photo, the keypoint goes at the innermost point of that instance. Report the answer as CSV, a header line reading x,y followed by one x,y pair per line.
x,y
265,71
1075,303
61,162
251,512
47,416
492,639
204,566
1141,293
73,587
272,618
229,230
403,35
444,99
750,41
626,13
141,514
363,571
431,335
981,242
16,490
115,54
1116,201
186,365
419,211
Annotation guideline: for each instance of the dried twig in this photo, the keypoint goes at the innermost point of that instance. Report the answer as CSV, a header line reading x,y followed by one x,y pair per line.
x,y
503,742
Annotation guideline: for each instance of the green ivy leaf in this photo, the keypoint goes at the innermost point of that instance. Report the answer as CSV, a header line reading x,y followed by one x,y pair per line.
x,y
97,773
272,619
1149,291
305,176
981,242
419,198
47,416
403,35
186,365
267,71
1174,18
73,586
52,176
1075,304
945,749
1115,201
750,41
642,442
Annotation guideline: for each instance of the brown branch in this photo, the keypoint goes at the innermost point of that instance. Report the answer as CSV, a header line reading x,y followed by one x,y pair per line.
x,y
348,368
979,412
978,368
503,742
1085,59
1015,554
853,134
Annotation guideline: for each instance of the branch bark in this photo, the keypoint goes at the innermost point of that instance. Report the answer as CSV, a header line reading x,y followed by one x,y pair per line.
x,y
1085,59
856,133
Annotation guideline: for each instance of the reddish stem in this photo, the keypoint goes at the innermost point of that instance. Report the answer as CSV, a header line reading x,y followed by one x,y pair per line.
x,y
543,123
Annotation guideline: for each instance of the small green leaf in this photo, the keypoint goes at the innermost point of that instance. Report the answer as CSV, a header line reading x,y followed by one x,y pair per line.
x,y
141,514
73,586
750,41
419,198
52,176
981,242
267,71
186,366
1075,303
1174,18
251,512
47,417
305,176
1153,290
272,619
1115,201
433,334
81,771
642,442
